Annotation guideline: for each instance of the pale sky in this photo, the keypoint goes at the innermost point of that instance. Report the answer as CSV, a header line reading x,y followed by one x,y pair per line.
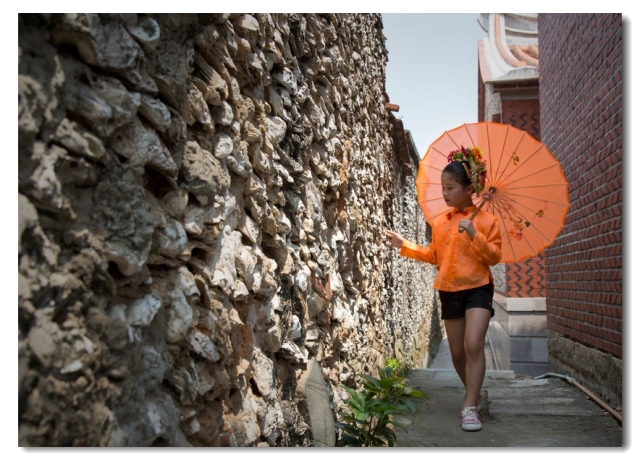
x,y
432,73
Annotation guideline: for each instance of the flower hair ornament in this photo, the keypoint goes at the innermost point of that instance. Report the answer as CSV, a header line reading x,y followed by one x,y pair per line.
x,y
473,164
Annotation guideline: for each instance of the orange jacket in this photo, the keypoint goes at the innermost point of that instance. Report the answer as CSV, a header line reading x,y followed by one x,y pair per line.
x,y
462,263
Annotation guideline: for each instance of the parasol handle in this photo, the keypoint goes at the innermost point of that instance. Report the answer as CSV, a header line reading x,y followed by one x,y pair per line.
x,y
486,197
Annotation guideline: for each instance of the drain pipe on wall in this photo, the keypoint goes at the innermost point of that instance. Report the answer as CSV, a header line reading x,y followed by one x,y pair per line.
x,y
576,384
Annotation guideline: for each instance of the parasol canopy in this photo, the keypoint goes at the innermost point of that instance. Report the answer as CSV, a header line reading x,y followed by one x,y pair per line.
x,y
525,189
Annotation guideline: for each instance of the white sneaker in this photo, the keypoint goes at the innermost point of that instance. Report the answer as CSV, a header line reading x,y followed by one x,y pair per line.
x,y
469,419
478,402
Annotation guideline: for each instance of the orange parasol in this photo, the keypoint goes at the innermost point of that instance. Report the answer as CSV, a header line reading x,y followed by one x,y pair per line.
x,y
525,188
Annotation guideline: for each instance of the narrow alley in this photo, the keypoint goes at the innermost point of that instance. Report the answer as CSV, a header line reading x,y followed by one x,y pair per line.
x,y
518,411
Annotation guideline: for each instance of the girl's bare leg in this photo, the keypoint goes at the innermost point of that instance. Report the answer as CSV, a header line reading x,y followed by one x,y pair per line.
x,y
476,325
455,336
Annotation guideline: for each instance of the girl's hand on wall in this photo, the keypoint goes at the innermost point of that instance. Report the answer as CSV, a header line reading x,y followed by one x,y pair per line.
x,y
394,240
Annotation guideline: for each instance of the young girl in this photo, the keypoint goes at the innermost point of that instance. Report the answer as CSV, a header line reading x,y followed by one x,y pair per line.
x,y
463,250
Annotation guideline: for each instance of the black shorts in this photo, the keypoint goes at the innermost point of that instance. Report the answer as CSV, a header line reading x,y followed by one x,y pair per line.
x,y
454,304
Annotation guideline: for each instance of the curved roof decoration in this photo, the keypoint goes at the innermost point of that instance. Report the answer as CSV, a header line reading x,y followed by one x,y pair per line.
x,y
510,51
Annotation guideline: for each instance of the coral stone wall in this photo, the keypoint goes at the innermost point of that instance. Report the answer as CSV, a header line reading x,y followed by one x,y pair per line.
x,y
202,200
581,120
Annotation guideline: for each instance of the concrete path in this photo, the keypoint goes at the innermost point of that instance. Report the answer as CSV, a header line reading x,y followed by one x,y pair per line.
x,y
519,411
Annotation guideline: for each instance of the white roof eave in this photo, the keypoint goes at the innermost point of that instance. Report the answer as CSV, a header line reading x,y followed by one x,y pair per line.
x,y
496,65
517,74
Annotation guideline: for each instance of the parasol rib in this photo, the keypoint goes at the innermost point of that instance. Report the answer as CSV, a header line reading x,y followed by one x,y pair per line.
x,y
522,164
532,225
438,151
503,184
499,168
459,141
504,143
513,253
524,187
418,181
509,195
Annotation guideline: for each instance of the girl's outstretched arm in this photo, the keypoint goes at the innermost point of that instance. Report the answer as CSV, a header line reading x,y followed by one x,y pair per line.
x,y
412,250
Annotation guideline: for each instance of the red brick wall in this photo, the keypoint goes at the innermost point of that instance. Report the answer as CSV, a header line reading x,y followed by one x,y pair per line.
x,y
524,115
526,278
581,123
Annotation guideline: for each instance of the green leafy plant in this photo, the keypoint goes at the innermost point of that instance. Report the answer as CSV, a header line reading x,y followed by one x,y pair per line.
x,y
367,414
399,368
392,363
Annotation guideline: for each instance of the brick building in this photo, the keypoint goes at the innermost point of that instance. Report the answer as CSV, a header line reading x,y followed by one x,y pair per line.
x,y
508,93
581,123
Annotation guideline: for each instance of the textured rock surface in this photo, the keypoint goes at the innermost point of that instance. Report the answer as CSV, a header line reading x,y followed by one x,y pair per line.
x,y
202,200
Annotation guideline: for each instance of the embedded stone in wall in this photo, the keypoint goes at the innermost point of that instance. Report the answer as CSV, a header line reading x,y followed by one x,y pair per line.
x,y
317,398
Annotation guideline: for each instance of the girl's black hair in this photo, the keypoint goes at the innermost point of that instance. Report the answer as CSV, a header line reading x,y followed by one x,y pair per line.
x,y
456,169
